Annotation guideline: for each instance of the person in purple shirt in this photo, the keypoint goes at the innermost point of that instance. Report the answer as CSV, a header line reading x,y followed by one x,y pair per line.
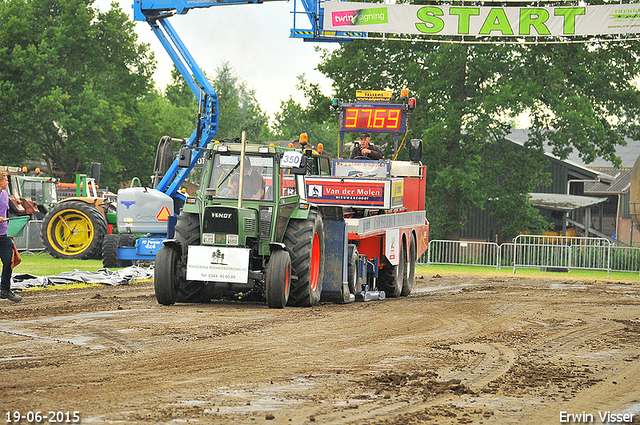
x,y
6,244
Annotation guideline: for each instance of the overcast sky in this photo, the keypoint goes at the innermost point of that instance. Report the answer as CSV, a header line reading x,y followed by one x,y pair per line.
x,y
253,38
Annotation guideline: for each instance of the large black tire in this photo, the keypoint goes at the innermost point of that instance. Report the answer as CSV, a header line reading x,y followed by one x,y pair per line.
x,y
110,252
304,240
278,279
391,278
74,230
407,286
187,232
166,275
355,283
110,245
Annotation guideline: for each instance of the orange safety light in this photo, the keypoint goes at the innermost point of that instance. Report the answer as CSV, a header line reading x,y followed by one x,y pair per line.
x,y
304,139
404,93
37,170
24,169
320,147
290,145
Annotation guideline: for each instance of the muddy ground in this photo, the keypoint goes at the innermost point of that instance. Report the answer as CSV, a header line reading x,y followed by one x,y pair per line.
x,y
459,350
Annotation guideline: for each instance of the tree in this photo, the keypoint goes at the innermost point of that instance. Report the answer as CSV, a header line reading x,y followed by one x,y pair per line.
x,y
71,84
580,96
317,119
239,109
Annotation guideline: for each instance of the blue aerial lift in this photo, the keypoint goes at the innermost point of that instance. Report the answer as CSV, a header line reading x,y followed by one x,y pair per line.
x,y
147,211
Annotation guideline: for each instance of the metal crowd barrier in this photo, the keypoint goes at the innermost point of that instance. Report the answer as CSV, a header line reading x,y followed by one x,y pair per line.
x,y
30,239
561,253
558,253
461,252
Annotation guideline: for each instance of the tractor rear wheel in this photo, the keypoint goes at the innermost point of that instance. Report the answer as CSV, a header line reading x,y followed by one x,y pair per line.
x,y
165,275
304,240
278,280
74,230
391,278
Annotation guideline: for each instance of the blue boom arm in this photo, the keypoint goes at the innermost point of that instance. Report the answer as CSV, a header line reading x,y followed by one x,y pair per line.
x,y
155,13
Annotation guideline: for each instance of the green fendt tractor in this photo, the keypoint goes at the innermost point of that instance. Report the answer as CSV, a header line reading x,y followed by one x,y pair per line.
x,y
266,244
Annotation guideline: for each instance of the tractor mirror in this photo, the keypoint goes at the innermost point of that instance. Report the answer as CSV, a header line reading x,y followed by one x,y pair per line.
x,y
302,169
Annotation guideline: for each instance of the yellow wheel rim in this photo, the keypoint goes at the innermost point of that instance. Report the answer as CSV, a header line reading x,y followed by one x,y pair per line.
x,y
70,232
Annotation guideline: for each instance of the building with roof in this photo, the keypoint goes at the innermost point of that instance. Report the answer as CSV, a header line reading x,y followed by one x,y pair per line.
x,y
582,199
615,219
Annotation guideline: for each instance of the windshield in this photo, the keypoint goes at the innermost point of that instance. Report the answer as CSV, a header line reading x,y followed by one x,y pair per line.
x,y
258,176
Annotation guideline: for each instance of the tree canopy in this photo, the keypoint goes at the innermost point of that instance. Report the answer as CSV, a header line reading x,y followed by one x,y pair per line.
x,y
76,87
71,84
316,119
578,96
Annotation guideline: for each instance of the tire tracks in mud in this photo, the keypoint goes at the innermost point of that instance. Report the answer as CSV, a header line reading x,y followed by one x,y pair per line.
x,y
497,360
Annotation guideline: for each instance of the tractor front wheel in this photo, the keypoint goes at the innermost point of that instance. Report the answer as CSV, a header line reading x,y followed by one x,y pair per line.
x,y
165,275
278,280
74,230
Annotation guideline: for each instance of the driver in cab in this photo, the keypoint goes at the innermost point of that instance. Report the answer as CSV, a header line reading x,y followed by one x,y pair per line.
x,y
254,184
365,149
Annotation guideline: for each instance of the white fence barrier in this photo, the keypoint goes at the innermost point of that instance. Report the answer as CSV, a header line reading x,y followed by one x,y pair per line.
x,y
461,252
536,251
561,252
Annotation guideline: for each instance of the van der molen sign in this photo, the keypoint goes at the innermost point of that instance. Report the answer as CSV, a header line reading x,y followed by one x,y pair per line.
x,y
483,21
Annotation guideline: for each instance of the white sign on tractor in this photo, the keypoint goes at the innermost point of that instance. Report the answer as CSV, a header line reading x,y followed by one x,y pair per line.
x,y
218,264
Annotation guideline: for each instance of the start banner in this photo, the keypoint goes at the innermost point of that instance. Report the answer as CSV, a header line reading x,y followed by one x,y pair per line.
x,y
483,21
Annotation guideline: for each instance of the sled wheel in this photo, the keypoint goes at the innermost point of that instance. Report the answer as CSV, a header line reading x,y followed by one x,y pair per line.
x,y
355,283
391,278
278,281
110,252
165,275
305,242
74,230
410,273
187,232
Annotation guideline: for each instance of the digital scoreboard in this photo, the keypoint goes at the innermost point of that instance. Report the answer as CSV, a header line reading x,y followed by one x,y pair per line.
x,y
373,118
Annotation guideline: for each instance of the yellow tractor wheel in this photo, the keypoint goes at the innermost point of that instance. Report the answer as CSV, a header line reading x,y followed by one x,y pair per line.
x,y
74,230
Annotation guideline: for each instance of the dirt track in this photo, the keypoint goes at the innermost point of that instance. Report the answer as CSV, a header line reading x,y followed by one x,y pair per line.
x,y
459,350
